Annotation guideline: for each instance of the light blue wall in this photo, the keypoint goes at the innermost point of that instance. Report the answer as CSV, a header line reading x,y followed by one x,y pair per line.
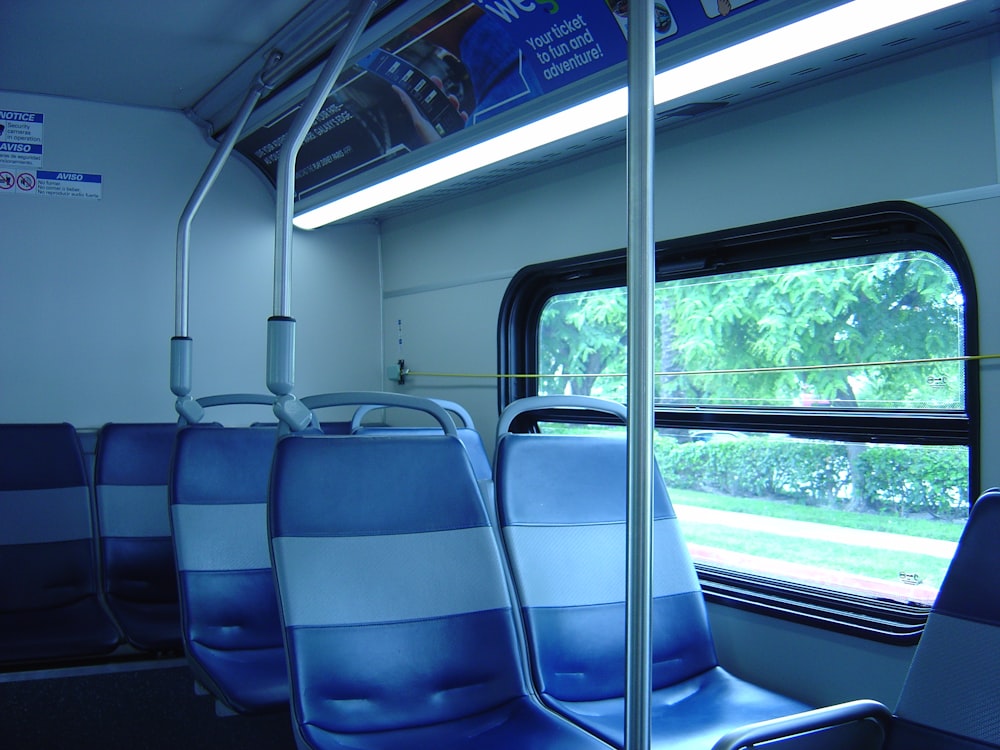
x,y
87,286
918,126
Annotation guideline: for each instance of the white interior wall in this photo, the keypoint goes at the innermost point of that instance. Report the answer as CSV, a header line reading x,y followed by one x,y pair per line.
x,y
87,286
917,126
889,133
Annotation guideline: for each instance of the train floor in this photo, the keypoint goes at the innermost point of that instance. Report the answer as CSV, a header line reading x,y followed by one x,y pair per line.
x,y
143,707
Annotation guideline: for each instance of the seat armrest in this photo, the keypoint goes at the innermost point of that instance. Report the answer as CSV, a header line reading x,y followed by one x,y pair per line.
x,y
827,717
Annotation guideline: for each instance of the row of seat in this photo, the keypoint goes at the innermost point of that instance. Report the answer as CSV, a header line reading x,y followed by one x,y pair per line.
x,y
87,566
86,543
396,623
373,583
218,498
415,615
561,510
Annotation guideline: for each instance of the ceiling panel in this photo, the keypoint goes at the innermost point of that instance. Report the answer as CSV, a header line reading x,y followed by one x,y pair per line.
x,y
136,52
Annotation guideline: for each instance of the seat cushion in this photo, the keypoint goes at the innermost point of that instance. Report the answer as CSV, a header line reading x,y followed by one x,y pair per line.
x,y
690,715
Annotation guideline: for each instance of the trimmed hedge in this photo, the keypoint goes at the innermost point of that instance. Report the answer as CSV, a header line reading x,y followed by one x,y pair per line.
x,y
885,479
934,480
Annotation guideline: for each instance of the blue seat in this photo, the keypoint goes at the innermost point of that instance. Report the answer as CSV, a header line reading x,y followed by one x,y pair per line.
x,y
471,439
396,611
230,625
951,695
50,606
138,573
561,505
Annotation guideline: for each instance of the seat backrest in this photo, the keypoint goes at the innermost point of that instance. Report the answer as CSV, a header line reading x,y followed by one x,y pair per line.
x,y
470,438
139,577
49,602
394,601
951,696
562,507
230,624
467,433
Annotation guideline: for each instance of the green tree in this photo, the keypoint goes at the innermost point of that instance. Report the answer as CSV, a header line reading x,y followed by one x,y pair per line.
x,y
902,306
899,306
584,333
817,316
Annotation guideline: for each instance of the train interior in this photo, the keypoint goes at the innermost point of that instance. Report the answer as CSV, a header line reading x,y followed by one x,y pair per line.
x,y
141,290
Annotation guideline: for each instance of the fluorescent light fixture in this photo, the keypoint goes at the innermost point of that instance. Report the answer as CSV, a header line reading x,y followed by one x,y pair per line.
x,y
839,24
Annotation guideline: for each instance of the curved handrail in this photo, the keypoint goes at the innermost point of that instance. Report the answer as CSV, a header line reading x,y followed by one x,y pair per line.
x,y
826,717
540,403
451,406
181,345
192,414
234,399
379,399
280,377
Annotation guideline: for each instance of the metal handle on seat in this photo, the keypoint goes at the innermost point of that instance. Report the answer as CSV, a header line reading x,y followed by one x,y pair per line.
x,y
827,717
541,403
451,406
193,408
379,399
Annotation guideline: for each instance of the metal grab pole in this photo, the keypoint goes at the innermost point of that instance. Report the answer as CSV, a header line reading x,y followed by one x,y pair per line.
x,y
293,142
212,171
281,325
641,275
180,344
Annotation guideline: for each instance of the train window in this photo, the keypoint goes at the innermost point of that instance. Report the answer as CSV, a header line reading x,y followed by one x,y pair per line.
x,y
811,400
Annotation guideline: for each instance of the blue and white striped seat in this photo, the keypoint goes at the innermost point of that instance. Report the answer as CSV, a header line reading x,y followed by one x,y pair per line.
x,y
138,573
50,607
396,610
230,624
562,507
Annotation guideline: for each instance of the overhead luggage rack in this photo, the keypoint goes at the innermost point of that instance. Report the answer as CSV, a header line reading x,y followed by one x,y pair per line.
x,y
551,59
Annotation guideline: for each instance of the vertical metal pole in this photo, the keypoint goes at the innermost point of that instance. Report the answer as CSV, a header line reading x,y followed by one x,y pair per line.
x,y
212,171
290,150
641,276
181,344
281,325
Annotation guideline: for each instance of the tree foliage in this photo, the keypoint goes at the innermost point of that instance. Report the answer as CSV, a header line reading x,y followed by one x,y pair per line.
x,y
795,328
586,334
891,307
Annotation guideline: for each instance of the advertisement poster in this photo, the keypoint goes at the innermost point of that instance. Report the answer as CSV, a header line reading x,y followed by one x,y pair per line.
x,y
461,65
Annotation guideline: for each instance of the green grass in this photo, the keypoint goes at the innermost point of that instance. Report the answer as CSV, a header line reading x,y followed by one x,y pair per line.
x,y
884,565
919,527
875,563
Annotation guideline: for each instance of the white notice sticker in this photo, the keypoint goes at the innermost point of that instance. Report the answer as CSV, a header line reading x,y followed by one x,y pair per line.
x,y
68,184
21,138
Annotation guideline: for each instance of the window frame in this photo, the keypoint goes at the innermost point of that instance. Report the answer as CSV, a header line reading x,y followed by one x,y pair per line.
x,y
860,231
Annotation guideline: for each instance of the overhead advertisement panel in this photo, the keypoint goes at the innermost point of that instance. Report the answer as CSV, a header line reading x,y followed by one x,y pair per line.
x,y
461,65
